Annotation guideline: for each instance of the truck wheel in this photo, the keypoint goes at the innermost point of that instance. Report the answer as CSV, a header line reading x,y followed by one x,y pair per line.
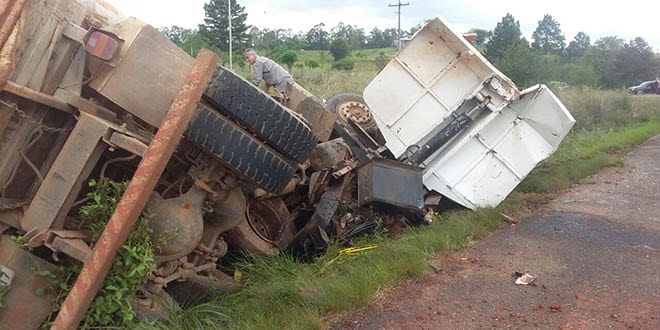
x,y
278,126
351,106
239,149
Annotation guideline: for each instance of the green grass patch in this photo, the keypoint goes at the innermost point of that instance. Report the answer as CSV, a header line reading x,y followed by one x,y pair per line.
x,y
282,292
585,153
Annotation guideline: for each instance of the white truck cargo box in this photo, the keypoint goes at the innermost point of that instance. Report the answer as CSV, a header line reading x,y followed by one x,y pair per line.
x,y
426,84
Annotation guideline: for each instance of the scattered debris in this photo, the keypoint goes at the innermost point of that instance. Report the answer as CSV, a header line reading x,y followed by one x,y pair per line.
x,y
509,219
355,250
428,216
6,276
555,308
524,279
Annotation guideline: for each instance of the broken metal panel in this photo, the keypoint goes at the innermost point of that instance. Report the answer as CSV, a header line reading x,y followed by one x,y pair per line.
x,y
482,165
427,81
387,182
73,165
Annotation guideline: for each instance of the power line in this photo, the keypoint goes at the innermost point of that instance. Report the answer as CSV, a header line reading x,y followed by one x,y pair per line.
x,y
399,5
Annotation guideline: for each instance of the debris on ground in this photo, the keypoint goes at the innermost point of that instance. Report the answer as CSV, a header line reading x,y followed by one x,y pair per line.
x,y
524,279
509,219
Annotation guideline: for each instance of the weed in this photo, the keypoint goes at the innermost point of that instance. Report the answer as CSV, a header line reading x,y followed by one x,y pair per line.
x,y
113,303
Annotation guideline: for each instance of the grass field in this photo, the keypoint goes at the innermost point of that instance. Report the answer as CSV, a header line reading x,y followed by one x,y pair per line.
x,y
282,292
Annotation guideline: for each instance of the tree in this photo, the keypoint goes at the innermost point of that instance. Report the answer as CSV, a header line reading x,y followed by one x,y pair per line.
x,y
519,63
635,62
339,48
578,46
505,35
317,37
289,58
548,36
216,25
482,37
602,57
176,34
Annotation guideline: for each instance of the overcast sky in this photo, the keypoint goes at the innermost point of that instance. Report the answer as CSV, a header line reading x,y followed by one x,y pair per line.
x,y
598,19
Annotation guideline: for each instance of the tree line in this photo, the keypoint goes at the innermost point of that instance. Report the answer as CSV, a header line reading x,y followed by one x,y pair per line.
x,y
609,62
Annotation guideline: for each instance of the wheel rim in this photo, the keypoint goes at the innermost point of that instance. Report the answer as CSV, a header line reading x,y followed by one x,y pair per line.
x,y
267,218
358,112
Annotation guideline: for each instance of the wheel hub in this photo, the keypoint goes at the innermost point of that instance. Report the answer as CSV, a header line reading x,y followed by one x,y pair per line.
x,y
357,112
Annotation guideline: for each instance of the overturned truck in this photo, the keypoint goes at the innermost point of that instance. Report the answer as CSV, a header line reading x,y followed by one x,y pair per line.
x,y
85,90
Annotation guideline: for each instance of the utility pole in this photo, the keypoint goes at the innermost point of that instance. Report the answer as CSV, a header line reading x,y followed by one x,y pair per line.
x,y
399,5
231,67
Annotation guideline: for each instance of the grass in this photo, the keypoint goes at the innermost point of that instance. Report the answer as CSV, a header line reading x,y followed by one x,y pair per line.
x,y
281,292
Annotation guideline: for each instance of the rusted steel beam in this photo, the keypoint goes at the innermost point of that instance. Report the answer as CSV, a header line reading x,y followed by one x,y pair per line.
x,y
9,15
134,199
10,27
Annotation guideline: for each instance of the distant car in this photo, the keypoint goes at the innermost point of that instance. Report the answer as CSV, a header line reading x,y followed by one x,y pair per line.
x,y
647,87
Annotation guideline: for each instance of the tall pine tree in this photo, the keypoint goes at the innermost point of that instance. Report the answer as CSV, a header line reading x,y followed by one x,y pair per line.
x,y
548,36
505,35
216,24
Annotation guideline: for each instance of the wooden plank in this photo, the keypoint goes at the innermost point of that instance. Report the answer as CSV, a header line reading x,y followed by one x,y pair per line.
x,y
38,97
73,165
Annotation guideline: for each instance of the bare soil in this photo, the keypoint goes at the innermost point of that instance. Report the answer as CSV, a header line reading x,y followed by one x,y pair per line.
x,y
595,250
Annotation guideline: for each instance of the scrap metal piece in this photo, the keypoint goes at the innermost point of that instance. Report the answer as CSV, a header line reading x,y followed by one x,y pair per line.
x,y
313,235
27,303
383,181
137,193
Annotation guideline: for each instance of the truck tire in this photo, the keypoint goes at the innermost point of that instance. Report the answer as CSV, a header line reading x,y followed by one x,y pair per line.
x,y
278,126
239,149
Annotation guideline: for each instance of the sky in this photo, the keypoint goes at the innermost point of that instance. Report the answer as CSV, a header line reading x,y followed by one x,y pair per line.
x,y
597,19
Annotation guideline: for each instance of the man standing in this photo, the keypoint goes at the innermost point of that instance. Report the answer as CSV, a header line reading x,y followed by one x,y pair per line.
x,y
270,72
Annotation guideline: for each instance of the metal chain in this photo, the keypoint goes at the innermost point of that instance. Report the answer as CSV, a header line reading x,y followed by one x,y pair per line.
x,y
29,118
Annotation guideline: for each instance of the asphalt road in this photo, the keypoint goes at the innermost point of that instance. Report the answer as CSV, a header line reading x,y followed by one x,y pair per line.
x,y
595,250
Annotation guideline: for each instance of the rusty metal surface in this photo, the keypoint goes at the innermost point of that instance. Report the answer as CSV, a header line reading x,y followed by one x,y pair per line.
x,y
270,220
137,193
10,30
177,226
24,307
329,154
313,236
384,181
9,15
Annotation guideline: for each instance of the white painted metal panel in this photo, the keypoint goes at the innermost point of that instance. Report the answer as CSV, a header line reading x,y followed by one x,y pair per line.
x,y
483,164
428,81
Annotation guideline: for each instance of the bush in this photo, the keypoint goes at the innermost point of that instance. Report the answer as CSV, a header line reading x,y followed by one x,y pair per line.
x,y
344,64
289,58
312,64
340,48
381,60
